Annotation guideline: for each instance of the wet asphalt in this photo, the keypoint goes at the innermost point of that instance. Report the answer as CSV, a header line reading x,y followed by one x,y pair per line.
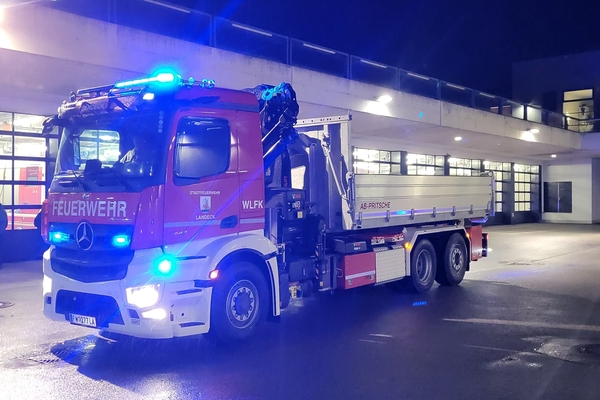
x,y
525,324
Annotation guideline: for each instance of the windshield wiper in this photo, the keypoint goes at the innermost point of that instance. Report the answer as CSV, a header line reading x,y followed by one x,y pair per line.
x,y
79,180
120,178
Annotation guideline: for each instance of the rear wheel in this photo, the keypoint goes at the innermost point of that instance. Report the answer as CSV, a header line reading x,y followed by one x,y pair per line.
x,y
239,303
452,271
422,266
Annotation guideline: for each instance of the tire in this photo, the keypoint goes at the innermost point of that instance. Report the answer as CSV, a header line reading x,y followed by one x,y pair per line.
x,y
452,271
239,303
423,266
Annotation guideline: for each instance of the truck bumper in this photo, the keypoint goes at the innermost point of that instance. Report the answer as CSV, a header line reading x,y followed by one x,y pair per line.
x,y
182,309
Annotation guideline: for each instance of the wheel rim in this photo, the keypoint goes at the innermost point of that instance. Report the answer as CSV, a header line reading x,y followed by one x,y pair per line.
x,y
242,304
456,259
424,266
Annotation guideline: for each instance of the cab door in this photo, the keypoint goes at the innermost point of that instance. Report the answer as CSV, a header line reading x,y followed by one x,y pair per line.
x,y
202,185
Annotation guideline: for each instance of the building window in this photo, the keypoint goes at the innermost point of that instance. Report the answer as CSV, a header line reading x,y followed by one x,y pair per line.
x,y
502,178
558,197
578,106
526,181
26,158
424,164
464,166
379,162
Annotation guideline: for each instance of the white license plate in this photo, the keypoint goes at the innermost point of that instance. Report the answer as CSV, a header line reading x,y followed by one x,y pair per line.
x,y
82,320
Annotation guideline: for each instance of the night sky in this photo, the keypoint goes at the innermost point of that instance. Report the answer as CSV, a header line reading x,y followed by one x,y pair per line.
x,y
469,42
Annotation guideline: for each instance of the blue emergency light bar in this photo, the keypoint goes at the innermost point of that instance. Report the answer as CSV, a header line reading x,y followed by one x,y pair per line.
x,y
163,77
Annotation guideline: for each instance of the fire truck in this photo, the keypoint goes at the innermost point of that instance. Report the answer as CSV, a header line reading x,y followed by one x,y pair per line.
x,y
178,208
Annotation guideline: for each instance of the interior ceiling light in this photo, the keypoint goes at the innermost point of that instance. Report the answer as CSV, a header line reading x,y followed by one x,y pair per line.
x,y
458,138
534,130
553,155
384,99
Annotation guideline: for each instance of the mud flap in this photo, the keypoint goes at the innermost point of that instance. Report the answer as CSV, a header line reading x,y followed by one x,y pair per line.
x,y
284,291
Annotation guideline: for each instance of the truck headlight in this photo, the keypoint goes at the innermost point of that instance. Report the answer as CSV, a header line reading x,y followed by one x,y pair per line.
x,y
143,296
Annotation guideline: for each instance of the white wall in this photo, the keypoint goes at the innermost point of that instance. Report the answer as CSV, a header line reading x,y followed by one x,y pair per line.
x,y
596,190
580,174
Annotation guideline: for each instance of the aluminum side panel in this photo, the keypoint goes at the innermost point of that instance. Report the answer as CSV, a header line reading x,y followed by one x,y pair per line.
x,y
389,265
387,200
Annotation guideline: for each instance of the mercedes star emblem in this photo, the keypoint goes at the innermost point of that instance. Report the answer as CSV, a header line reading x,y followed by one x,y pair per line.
x,y
84,236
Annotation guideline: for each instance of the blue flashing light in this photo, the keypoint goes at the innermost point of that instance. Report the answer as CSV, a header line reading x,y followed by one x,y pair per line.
x,y
165,265
121,240
419,303
59,237
162,77
421,114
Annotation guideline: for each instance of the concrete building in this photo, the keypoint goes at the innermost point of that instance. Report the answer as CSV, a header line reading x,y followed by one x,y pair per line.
x,y
48,49
568,85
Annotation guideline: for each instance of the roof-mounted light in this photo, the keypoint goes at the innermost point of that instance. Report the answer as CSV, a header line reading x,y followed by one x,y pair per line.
x,y
163,77
207,83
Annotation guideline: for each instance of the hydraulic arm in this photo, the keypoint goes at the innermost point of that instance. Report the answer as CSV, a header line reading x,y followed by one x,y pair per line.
x,y
278,115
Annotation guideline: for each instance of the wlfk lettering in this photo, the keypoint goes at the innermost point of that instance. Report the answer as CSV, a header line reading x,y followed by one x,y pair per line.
x,y
252,204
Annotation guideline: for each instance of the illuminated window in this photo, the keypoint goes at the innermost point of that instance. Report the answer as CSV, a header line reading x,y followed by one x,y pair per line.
x,y
25,160
501,171
424,164
28,123
464,166
578,106
526,186
377,162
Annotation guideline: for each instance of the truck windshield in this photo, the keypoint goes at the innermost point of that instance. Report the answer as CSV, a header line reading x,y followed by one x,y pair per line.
x,y
112,153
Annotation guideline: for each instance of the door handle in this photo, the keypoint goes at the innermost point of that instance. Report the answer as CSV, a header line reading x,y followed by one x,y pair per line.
x,y
229,222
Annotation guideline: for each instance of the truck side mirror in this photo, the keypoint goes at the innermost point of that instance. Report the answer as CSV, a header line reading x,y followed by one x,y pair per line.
x,y
49,124
202,148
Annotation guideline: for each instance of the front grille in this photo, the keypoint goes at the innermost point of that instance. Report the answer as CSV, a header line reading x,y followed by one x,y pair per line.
x,y
103,308
91,266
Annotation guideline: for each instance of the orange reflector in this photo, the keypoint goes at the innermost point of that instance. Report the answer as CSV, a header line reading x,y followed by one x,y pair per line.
x,y
213,274
407,245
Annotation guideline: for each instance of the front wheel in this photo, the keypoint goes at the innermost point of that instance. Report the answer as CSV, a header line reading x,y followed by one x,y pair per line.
x,y
239,303
422,266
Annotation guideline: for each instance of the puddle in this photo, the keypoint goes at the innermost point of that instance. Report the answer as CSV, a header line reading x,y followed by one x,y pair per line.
x,y
572,350
5,304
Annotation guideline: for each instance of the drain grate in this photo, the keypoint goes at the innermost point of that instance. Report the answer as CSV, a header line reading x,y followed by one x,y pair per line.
x,y
49,357
44,359
5,304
